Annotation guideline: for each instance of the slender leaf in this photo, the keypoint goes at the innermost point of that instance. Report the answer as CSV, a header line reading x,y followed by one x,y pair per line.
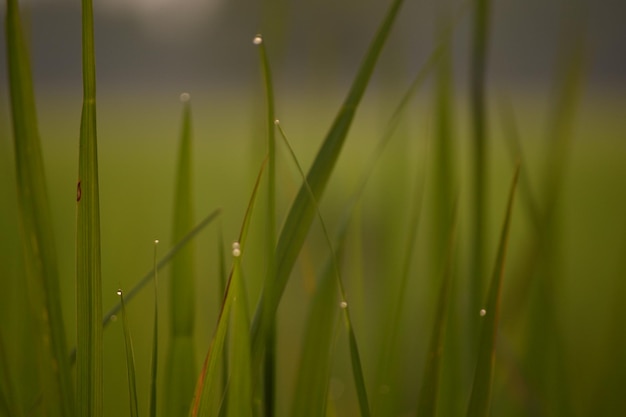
x,y
480,212
208,388
130,360
269,383
480,399
155,341
359,379
36,227
181,368
240,386
429,391
88,268
302,211
9,403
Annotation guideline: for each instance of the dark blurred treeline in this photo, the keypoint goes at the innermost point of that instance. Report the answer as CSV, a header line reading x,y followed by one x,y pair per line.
x,y
310,41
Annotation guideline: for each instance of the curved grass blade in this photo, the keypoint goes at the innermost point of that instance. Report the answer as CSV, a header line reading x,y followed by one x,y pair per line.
x,y
36,227
269,373
357,369
302,211
155,341
180,366
130,360
480,399
207,395
429,392
88,268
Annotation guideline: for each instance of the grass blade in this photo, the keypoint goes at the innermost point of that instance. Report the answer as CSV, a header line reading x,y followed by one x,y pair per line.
x,y
302,211
9,403
208,387
269,374
130,360
155,341
480,399
36,227
478,106
429,392
240,385
357,369
88,269
181,368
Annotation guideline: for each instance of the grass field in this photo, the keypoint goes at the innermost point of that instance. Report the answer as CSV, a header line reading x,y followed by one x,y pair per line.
x,y
405,267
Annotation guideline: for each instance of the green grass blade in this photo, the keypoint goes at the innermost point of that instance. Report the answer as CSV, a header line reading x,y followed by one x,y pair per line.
x,y
269,374
240,386
36,227
223,278
429,391
9,403
130,360
208,391
302,211
357,369
311,387
180,367
88,269
478,106
155,342
480,399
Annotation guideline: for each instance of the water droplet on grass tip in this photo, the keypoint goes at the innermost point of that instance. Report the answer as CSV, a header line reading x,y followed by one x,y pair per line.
x,y
276,122
258,40
236,249
343,304
184,97
119,292
483,312
156,241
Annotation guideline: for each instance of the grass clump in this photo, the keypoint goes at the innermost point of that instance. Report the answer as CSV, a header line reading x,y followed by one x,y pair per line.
x,y
438,342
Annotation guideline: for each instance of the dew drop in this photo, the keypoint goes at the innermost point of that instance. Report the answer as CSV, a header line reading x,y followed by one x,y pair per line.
x,y
156,241
483,312
258,40
184,97
343,304
276,122
236,249
119,292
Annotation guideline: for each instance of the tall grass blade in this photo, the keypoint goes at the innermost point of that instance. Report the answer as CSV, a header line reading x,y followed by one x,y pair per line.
x,y
480,399
545,364
357,369
208,390
429,391
240,386
36,228
181,371
269,373
480,214
9,402
130,360
223,278
88,269
155,342
302,211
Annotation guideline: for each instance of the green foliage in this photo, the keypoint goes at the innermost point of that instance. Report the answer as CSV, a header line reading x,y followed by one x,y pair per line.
x,y
400,258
